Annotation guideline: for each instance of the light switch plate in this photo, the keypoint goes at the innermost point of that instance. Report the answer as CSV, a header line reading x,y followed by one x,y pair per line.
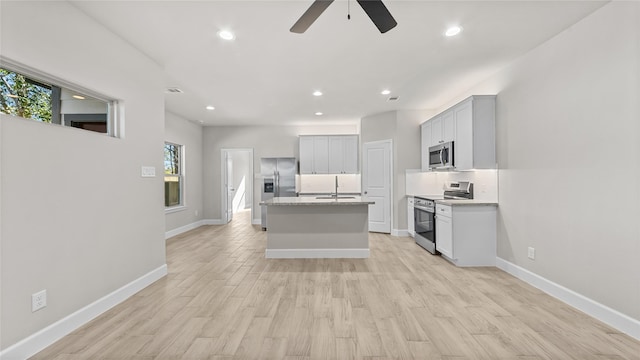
x,y
148,171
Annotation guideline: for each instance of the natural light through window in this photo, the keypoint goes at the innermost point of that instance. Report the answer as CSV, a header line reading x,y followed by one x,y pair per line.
x,y
173,175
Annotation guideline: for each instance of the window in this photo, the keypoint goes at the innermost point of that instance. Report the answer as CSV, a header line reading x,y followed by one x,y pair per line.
x,y
173,175
29,95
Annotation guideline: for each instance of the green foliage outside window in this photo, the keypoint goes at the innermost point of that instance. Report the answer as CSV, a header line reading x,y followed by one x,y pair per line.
x,y
24,97
172,175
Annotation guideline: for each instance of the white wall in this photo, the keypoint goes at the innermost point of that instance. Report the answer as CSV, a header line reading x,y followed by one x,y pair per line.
x,y
568,139
266,141
77,218
188,134
403,128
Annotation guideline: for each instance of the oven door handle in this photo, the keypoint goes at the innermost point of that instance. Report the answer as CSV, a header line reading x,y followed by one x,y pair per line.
x,y
429,210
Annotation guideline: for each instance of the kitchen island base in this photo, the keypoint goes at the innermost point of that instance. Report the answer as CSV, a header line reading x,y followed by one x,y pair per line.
x,y
321,230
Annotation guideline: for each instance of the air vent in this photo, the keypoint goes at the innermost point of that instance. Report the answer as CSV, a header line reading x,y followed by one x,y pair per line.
x,y
393,98
174,90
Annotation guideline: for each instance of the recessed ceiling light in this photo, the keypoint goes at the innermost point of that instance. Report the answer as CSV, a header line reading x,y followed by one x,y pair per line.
x,y
319,113
317,93
385,92
226,35
210,107
453,31
78,97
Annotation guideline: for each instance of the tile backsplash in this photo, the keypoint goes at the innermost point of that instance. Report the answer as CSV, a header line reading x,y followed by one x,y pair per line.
x,y
485,182
323,183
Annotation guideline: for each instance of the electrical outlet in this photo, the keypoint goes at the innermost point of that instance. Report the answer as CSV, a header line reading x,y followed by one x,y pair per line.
x,y
531,253
38,300
148,171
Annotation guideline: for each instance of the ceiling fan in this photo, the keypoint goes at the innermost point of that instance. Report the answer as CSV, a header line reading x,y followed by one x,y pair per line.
x,y
375,9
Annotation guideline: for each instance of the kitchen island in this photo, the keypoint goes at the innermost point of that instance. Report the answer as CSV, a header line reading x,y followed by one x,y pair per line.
x,y
318,227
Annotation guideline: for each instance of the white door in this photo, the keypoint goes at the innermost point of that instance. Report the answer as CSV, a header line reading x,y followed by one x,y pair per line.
x,y
376,183
229,187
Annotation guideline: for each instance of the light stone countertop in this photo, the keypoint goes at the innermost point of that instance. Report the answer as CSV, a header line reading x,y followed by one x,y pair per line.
x,y
312,200
439,199
466,202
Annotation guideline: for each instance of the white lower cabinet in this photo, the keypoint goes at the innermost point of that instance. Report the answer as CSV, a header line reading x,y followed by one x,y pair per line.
x,y
444,231
466,234
410,219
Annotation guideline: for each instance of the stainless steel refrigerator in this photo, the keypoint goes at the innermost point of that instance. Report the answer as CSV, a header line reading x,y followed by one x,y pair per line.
x,y
278,180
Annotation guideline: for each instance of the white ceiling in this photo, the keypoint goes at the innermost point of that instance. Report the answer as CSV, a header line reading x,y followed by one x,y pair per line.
x,y
267,74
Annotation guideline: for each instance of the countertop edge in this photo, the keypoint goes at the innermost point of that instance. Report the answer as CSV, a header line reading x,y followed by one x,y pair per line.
x,y
466,203
309,201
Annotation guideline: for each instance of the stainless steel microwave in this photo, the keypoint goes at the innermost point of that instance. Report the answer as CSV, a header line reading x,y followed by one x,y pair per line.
x,y
441,156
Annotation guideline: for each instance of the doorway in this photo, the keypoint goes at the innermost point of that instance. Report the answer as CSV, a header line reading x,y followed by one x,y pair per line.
x,y
377,183
237,182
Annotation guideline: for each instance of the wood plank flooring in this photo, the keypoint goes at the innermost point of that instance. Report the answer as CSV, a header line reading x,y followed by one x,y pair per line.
x,y
223,300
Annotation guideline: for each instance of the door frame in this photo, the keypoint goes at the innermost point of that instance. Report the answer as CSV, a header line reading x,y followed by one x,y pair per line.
x,y
391,176
224,198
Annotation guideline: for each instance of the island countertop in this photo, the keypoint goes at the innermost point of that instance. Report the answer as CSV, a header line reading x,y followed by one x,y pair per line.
x,y
312,200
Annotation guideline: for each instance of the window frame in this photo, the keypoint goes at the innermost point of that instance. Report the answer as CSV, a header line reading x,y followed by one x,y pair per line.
x,y
115,127
181,179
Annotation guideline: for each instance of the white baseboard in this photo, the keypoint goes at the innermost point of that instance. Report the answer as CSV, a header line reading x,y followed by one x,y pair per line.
x,y
400,232
183,229
213,222
316,253
609,316
35,343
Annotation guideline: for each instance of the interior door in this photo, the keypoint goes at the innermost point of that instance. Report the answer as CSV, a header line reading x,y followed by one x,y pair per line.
x,y
376,183
229,186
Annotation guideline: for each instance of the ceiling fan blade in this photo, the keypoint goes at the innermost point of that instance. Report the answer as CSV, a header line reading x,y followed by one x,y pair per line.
x,y
379,14
309,16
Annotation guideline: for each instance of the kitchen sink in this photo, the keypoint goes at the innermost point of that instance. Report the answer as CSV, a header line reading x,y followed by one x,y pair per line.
x,y
333,197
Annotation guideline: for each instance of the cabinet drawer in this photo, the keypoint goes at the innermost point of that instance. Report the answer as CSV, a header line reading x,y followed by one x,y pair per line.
x,y
443,210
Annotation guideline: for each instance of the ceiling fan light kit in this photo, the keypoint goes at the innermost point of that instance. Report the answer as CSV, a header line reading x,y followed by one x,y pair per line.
x,y
375,9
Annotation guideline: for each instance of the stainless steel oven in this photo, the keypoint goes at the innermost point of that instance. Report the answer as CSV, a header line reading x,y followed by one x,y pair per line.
x,y
425,224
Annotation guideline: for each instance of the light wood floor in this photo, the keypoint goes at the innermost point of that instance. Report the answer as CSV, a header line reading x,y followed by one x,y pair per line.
x,y
222,299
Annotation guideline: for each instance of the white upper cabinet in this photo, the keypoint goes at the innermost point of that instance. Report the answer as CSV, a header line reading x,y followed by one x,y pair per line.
x,y
425,129
470,124
448,127
306,154
314,154
336,154
443,128
349,157
475,145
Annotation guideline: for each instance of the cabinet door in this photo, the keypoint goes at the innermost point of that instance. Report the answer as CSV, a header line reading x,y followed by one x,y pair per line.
x,y
410,217
336,154
425,140
448,127
320,154
463,147
444,235
306,154
436,131
350,162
